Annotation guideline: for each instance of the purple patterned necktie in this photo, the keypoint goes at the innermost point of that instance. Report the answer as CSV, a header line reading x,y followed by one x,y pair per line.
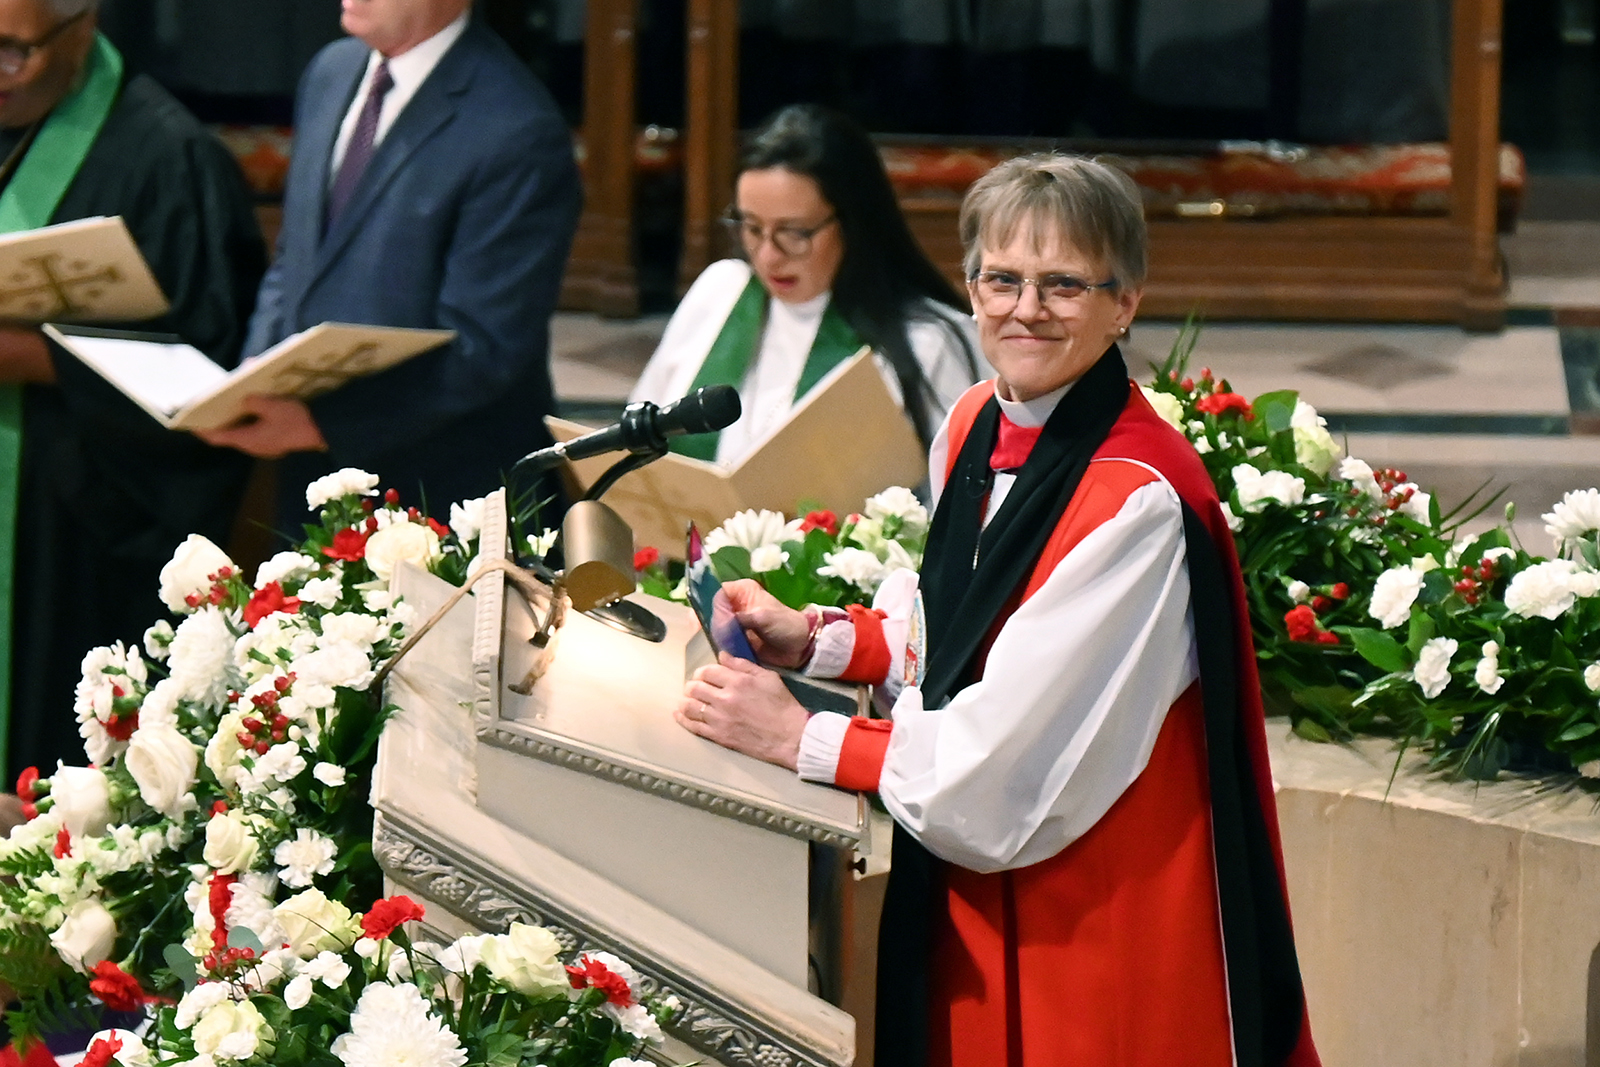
x,y
358,153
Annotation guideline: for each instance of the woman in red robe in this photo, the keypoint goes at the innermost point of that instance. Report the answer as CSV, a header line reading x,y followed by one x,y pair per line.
x,y
1086,866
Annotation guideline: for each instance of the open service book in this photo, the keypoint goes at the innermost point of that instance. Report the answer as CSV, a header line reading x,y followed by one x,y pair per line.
x,y
88,270
184,390
846,440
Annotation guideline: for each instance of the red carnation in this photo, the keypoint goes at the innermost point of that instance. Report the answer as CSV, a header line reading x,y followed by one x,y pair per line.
x,y
826,521
646,558
439,528
349,544
116,988
122,728
384,915
101,1052
1320,604
1217,403
1327,637
25,783
1302,623
63,844
268,600
591,972
1340,591
219,897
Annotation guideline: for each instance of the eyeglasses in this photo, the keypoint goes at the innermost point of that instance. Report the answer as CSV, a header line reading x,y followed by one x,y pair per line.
x,y
997,291
790,240
15,54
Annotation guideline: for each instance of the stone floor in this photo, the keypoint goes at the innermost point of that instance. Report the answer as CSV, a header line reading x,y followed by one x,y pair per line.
x,y
1519,408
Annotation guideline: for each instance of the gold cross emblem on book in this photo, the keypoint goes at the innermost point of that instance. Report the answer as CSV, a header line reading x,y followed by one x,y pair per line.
x,y
57,293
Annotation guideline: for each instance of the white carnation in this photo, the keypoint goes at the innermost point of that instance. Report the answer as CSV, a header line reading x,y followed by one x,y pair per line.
x,y
1167,406
1299,592
323,592
1544,589
1258,488
189,572
1487,674
284,567
767,558
329,774
355,627
466,518
539,545
202,658
1591,677
1314,448
857,566
1235,523
158,640
751,530
281,763
335,664
197,1001
304,856
392,1026
1393,594
1418,506
1432,672
1360,474
341,483
1576,515
898,502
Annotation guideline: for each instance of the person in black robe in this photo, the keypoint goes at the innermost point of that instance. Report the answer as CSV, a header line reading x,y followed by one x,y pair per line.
x,y
106,493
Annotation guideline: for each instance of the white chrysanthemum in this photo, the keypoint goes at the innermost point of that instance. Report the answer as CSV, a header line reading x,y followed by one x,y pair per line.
x,y
1544,589
856,566
751,530
1393,594
201,663
466,518
898,502
1167,406
1487,674
1432,672
304,856
1576,515
767,558
392,1027
341,483
286,566
1258,488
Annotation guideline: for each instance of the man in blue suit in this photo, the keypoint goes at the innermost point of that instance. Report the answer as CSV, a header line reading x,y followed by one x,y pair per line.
x,y
432,185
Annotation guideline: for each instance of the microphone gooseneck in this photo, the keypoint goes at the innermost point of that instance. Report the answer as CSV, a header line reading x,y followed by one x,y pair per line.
x,y
644,428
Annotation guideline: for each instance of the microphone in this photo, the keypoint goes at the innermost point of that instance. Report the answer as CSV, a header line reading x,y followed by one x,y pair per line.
x,y
645,427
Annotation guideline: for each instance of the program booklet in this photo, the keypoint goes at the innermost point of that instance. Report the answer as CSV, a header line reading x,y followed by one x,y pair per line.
x,y
846,440
88,270
184,390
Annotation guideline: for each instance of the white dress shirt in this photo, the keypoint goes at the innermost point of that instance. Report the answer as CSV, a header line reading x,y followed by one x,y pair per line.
x,y
408,70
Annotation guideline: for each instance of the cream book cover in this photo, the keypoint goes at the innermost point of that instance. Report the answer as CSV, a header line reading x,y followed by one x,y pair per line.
x,y
847,440
183,390
88,270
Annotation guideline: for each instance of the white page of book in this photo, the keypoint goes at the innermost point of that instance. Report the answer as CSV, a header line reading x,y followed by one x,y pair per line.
x,y
162,377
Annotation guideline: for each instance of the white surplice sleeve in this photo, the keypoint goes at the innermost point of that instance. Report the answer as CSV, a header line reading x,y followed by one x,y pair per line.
x,y
1075,689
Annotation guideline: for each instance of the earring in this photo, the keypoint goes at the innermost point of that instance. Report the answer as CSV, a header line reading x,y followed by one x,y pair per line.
x,y
1122,331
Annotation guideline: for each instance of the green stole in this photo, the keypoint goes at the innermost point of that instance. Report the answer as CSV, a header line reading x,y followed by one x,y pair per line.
x,y
737,344
28,202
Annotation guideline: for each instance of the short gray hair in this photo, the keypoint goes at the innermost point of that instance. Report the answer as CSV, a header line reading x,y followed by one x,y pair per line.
x,y
1088,203
66,9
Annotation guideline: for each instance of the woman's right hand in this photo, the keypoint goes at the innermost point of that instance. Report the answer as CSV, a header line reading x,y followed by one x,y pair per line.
x,y
778,633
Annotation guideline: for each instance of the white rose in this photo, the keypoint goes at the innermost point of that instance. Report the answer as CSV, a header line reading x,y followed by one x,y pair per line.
x,y
1487,674
341,483
466,518
1432,673
86,936
1166,405
230,846
767,558
314,924
162,762
189,572
1257,488
412,542
1544,589
223,750
230,1029
82,800
1393,594
286,566
526,958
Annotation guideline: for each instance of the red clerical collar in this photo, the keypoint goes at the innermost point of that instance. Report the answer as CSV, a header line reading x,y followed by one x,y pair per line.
x,y
1013,445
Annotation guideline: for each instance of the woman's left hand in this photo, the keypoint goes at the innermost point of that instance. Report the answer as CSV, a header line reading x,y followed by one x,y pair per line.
x,y
745,707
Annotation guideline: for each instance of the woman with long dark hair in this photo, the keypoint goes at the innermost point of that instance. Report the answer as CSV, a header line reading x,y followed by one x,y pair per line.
x,y
830,265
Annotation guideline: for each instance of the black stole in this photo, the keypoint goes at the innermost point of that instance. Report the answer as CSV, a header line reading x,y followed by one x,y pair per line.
x,y
969,573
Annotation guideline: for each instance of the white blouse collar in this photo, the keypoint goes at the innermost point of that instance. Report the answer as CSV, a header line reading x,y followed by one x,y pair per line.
x,y
806,311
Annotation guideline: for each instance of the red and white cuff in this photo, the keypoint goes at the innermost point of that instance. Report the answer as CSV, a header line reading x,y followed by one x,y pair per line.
x,y
844,751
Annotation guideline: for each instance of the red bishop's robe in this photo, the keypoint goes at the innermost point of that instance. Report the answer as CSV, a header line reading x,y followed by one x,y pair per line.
x,y
1110,951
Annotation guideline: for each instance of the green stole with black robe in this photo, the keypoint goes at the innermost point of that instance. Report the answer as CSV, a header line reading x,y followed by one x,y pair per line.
x,y
737,344
28,202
